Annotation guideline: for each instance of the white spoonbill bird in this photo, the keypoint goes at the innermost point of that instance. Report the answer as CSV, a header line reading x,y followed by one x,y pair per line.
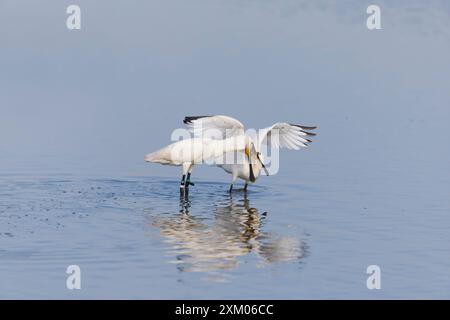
x,y
189,152
278,135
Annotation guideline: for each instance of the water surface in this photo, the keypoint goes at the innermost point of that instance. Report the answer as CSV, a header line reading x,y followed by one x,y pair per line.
x,y
80,109
136,237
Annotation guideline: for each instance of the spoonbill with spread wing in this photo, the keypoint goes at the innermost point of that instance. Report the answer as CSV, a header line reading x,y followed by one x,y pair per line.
x,y
279,135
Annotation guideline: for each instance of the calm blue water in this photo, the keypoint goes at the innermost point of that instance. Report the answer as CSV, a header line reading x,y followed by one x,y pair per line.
x,y
80,109
135,237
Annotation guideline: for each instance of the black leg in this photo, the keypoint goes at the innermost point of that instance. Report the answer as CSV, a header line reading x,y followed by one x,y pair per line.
x,y
231,188
182,182
188,181
245,186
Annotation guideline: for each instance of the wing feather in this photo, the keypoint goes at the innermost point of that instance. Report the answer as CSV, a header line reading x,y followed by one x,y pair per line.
x,y
216,127
285,135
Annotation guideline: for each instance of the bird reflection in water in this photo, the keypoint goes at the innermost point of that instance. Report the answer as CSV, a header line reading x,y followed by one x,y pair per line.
x,y
202,243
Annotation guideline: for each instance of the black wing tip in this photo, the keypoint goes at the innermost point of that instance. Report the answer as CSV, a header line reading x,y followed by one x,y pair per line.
x,y
189,119
303,127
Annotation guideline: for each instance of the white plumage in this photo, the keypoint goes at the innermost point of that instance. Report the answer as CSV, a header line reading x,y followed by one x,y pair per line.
x,y
221,140
188,152
279,135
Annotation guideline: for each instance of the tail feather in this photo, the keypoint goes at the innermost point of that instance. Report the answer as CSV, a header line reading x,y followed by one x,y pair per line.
x,y
151,157
160,156
157,157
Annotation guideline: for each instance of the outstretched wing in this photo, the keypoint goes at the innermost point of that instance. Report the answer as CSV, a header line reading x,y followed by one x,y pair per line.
x,y
218,127
285,135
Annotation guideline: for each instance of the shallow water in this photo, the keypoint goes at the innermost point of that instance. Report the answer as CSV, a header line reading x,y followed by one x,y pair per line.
x,y
79,110
138,238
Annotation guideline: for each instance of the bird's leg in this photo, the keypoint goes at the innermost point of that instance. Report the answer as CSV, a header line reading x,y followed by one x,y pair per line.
x,y
188,180
233,179
186,184
188,177
183,178
245,186
186,169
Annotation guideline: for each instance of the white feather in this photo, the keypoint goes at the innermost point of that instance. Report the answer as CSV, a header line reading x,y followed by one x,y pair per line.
x,y
279,135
